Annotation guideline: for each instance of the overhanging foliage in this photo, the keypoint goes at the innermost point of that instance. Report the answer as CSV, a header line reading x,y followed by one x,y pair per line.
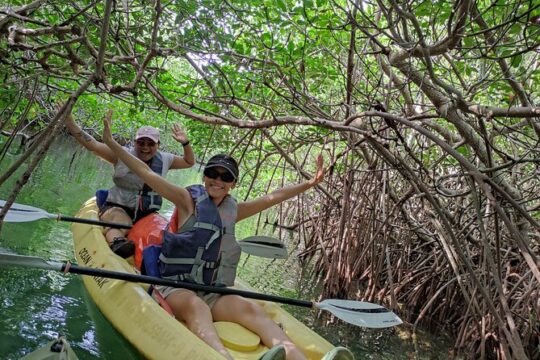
x,y
428,110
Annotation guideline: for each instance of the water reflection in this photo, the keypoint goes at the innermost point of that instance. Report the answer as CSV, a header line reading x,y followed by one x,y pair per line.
x,y
38,305
88,342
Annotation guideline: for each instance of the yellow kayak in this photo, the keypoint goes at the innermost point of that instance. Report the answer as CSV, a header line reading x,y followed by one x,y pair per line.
x,y
58,349
153,331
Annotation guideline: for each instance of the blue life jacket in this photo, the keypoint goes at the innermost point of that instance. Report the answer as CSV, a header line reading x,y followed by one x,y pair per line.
x,y
204,250
150,259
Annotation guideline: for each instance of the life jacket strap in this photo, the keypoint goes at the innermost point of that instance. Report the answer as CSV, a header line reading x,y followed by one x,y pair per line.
x,y
211,227
206,226
188,261
198,267
202,197
176,261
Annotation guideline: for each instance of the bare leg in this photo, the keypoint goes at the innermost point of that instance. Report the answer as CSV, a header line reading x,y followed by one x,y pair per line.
x,y
116,215
247,313
191,309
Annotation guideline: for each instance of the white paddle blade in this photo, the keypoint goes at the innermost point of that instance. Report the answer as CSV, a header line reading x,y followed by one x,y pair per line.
x,y
29,261
264,246
360,313
24,213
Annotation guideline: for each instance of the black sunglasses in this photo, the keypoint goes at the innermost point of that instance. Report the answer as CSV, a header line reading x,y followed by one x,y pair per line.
x,y
212,173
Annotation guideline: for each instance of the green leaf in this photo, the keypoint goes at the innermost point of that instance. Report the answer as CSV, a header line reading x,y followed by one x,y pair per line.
x,y
515,29
468,42
464,150
516,61
506,53
281,4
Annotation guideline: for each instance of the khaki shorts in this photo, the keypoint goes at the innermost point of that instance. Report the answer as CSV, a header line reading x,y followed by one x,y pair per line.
x,y
209,298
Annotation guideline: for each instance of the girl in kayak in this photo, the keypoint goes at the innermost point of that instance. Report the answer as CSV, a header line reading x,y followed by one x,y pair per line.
x,y
193,206
130,198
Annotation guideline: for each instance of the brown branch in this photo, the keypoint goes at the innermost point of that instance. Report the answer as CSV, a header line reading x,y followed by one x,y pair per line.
x,y
490,112
103,40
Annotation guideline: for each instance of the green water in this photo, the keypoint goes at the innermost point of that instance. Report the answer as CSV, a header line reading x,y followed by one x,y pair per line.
x,y
37,305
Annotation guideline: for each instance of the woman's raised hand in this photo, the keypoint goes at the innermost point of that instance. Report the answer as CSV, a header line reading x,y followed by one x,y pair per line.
x,y
319,174
179,134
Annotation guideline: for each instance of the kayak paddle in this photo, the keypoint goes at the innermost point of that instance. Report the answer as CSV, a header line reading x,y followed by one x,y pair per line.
x,y
26,213
358,313
263,246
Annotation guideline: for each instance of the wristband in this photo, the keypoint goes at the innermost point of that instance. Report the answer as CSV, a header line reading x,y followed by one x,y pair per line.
x,y
185,144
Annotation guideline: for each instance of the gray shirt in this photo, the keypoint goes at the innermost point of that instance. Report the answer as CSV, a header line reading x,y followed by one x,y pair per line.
x,y
127,184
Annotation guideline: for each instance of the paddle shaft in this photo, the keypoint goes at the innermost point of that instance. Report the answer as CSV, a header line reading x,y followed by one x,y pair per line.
x,y
354,312
76,269
92,222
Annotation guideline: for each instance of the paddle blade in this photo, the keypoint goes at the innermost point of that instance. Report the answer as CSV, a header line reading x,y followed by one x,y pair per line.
x,y
264,246
360,313
29,261
24,213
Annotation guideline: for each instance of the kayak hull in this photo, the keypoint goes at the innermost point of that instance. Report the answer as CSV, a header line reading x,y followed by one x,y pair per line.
x,y
153,331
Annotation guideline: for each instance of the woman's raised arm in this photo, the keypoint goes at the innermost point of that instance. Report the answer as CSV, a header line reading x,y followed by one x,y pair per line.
x,y
87,140
250,208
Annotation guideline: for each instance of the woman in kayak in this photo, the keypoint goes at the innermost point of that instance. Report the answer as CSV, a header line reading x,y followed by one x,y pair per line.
x,y
130,199
199,311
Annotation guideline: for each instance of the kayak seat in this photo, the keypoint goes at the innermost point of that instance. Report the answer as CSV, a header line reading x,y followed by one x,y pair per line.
x,y
236,337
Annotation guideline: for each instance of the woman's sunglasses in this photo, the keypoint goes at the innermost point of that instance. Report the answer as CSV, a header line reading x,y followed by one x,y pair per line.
x,y
225,176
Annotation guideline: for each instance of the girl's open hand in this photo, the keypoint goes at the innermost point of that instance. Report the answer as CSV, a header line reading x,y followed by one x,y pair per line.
x,y
107,134
319,174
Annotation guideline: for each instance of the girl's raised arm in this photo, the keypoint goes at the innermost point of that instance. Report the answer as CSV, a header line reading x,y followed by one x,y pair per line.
x,y
250,208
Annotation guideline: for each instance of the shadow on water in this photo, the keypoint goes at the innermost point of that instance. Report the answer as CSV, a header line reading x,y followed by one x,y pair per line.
x,y
37,305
